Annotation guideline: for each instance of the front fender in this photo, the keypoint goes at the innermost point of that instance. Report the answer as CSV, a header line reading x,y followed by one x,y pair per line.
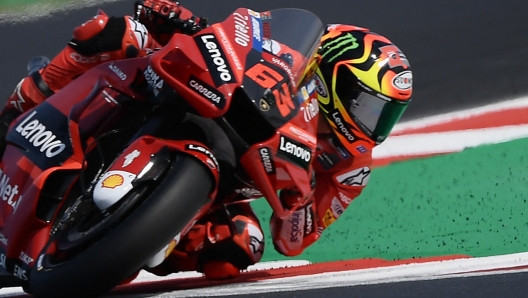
x,y
147,159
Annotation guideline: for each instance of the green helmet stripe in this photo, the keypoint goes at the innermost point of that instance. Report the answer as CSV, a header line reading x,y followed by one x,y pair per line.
x,y
345,43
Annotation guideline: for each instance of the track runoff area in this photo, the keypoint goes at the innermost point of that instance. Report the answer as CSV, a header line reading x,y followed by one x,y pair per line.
x,y
442,134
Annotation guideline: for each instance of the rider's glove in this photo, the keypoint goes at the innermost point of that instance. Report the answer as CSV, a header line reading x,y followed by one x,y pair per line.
x,y
192,25
291,235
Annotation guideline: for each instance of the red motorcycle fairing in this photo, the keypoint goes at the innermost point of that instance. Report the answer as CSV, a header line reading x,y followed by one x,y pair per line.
x,y
49,141
135,164
250,78
214,65
233,71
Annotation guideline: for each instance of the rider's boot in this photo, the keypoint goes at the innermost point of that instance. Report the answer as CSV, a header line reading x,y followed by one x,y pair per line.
x,y
218,246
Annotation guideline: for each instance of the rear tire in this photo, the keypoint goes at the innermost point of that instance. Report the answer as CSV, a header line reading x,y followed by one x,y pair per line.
x,y
124,249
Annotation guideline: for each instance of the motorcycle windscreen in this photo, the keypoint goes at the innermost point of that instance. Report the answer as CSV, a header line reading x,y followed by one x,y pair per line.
x,y
294,35
283,46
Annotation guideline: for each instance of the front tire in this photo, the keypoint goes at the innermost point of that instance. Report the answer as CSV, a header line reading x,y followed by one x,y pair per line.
x,y
125,248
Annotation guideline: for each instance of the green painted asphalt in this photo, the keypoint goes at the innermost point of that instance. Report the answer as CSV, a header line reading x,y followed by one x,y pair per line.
x,y
473,203
17,5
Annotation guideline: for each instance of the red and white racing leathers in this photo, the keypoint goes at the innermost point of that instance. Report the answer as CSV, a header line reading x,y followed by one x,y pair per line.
x,y
99,40
212,247
340,178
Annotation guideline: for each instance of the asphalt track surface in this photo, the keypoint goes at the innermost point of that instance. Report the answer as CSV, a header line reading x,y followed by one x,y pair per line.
x,y
464,54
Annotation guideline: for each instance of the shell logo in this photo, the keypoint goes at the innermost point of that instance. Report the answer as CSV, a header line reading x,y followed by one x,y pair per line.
x,y
113,181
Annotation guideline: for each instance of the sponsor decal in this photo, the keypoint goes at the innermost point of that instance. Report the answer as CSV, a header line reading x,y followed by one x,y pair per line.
x,y
361,149
304,93
20,273
241,29
203,150
357,177
253,13
286,68
327,160
320,86
118,71
403,81
257,33
337,208
154,81
309,220
39,136
295,152
344,198
342,126
391,55
3,259
312,85
220,71
248,192
301,133
296,222
43,133
25,258
229,48
111,187
267,160
8,192
310,110
328,218
130,157
113,181
207,92
85,60
343,152
108,98
335,47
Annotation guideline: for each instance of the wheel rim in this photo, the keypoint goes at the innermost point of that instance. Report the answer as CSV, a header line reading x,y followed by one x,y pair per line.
x,y
84,226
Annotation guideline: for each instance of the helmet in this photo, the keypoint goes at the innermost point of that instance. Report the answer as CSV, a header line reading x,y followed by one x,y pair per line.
x,y
364,84
163,18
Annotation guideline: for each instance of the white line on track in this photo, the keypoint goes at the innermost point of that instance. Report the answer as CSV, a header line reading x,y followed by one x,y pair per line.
x,y
521,102
392,274
451,141
400,273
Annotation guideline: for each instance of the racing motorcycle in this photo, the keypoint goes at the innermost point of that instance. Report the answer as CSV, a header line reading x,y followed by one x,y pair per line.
x,y
103,178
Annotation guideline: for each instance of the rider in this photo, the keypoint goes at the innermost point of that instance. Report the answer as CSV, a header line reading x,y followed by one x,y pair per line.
x,y
99,40
364,85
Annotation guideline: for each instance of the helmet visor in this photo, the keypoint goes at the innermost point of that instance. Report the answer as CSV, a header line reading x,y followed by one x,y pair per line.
x,y
376,116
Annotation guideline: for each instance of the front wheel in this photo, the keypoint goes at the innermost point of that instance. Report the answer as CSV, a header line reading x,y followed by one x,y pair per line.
x,y
126,240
